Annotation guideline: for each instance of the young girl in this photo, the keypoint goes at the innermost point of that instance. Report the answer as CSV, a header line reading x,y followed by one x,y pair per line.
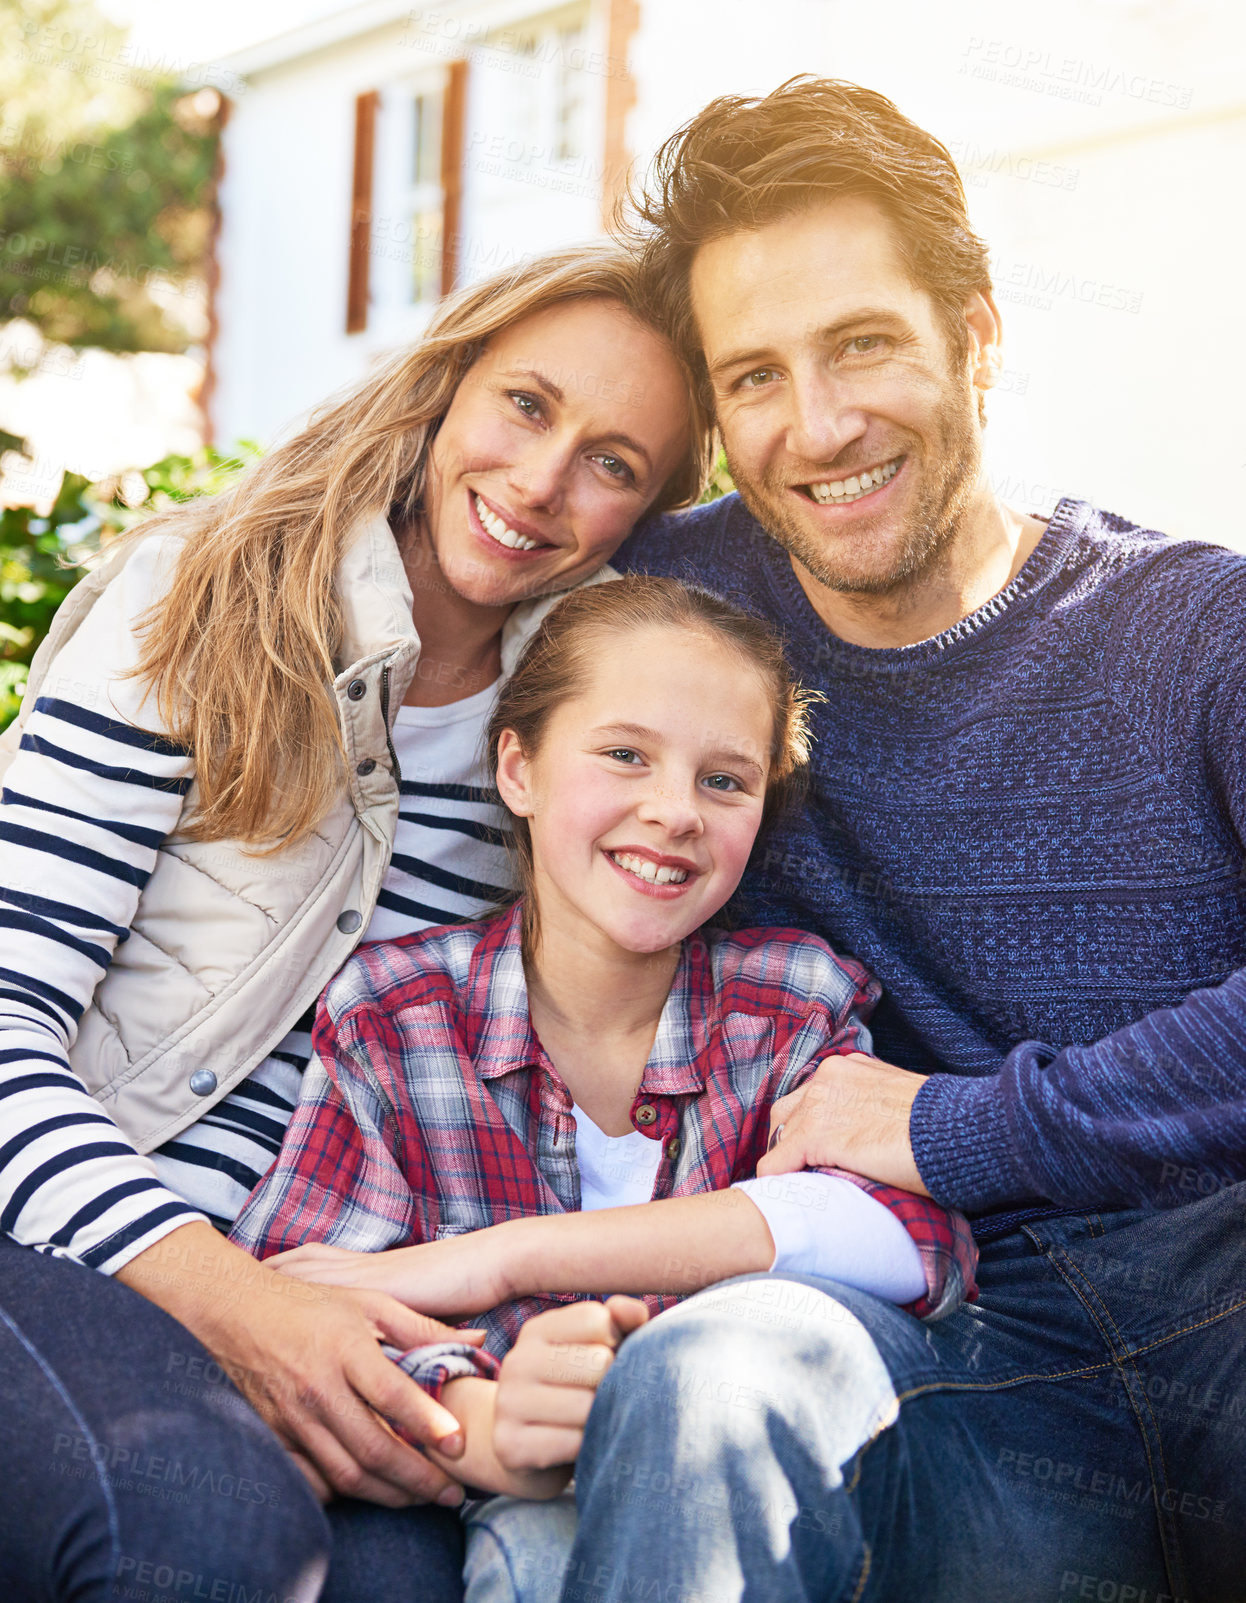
x,y
478,1089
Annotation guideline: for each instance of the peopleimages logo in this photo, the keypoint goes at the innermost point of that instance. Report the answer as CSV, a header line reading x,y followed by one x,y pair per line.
x,y
1038,285
1022,66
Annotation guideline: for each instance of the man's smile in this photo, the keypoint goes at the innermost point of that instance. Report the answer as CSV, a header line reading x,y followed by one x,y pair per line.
x,y
840,492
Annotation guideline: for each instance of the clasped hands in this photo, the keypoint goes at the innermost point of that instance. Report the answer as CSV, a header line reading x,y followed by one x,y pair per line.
x,y
549,1377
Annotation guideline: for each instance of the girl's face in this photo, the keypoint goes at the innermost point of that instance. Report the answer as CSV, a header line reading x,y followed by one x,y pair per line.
x,y
646,793
559,437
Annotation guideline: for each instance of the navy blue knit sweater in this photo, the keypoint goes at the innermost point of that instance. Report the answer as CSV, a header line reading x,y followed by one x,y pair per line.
x,y
1030,828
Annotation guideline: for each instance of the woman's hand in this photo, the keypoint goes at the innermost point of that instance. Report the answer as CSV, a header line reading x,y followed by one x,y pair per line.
x,y
455,1278
308,1360
550,1377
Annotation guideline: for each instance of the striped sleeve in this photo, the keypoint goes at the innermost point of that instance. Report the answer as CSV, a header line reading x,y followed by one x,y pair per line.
x,y
87,800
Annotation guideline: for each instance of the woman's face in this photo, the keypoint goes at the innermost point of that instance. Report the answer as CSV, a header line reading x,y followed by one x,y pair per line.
x,y
560,436
646,794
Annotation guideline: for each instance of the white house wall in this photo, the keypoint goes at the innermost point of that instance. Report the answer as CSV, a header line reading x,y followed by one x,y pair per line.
x,y
285,200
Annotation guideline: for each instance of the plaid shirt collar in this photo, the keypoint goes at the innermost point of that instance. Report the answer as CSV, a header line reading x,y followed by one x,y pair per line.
x,y
503,1040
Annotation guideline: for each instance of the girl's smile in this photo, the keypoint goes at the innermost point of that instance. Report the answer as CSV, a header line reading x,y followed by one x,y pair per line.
x,y
646,793
652,872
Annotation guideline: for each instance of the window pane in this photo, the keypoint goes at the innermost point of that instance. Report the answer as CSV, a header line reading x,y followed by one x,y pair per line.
x,y
426,256
569,94
426,162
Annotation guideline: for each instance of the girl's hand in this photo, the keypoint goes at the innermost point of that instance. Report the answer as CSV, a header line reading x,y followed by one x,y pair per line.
x,y
550,1377
451,1279
325,1265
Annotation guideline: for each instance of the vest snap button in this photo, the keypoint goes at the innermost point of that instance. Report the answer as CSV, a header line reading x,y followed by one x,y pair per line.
x,y
203,1082
349,921
357,689
366,767
646,1113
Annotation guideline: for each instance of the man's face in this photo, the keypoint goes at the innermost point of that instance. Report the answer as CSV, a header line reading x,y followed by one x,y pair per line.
x,y
851,435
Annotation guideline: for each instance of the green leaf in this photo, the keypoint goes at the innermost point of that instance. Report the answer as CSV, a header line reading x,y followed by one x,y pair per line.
x,y
41,557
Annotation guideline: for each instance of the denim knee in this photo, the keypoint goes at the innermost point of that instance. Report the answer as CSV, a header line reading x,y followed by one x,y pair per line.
x,y
729,1364
215,1503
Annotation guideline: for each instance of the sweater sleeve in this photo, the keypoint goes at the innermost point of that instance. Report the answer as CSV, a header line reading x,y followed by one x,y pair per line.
x,y
1153,1115
89,797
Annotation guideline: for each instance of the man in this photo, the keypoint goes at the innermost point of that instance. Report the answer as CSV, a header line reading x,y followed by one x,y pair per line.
x,y
1026,817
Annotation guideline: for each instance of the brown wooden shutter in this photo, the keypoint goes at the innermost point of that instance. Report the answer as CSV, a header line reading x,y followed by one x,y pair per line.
x,y
453,122
620,98
361,213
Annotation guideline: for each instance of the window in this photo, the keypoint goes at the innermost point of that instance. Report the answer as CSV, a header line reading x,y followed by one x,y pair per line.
x,y
569,94
425,201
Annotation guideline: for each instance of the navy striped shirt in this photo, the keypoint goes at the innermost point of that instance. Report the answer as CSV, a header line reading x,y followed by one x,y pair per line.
x,y
86,803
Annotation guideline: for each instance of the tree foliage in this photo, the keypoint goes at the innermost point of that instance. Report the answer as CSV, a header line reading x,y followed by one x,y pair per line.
x,y
42,556
105,176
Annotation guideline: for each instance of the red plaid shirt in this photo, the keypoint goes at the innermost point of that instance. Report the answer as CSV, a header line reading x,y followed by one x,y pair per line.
x,y
431,1108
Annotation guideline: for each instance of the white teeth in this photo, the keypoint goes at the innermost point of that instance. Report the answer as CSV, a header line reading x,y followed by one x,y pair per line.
x,y
644,869
841,491
500,531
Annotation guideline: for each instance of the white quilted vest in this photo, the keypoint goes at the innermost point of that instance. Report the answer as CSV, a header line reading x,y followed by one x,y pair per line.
x,y
228,949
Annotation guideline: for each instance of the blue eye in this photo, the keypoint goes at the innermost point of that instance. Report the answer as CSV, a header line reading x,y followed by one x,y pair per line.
x,y
723,782
616,467
623,754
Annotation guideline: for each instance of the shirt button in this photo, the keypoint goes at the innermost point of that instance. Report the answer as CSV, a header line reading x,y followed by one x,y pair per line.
x,y
674,1147
366,767
203,1082
646,1113
349,921
357,689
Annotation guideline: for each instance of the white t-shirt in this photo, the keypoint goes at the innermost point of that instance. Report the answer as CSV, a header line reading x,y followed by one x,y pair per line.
x,y
615,1170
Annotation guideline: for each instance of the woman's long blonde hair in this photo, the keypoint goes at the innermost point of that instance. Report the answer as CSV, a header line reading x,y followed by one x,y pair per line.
x,y
241,651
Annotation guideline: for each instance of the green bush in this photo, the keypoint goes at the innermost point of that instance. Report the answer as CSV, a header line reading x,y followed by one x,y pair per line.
x,y
721,482
43,557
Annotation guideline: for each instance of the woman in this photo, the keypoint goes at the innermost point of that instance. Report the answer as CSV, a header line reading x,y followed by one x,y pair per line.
x,y
197,829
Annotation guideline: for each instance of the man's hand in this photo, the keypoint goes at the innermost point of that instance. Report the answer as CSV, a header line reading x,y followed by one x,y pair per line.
x,y
852,1114
550,1377
453,1279
308,1360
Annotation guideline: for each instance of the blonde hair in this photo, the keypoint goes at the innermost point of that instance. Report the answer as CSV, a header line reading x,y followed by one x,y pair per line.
x,y
241,650
558,661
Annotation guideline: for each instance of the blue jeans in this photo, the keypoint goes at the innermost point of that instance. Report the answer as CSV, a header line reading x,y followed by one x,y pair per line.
x,y
1079,1433
131,1468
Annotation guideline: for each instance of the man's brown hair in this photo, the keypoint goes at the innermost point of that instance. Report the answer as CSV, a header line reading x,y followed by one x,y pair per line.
x,y
744,162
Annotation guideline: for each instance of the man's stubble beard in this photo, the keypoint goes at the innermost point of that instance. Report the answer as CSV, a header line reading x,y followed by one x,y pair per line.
x,y
944,499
